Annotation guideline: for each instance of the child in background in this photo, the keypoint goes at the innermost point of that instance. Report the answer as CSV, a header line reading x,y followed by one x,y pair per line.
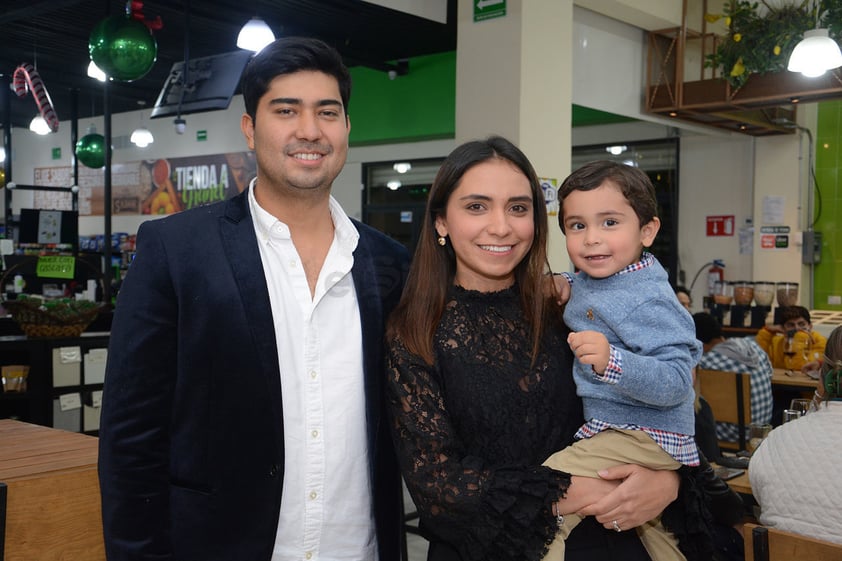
x,y
635,345
793,344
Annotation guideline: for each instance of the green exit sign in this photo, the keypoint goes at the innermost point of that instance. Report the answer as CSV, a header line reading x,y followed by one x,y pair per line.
x,y
488,9
201,135
57,153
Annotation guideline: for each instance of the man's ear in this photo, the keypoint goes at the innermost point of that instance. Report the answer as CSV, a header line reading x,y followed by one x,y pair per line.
x,y
247,126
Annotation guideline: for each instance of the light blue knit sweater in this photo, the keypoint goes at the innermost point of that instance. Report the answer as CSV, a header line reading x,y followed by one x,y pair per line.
x,y
656,340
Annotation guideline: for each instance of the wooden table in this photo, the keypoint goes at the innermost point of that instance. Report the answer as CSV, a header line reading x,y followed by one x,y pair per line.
x,y
52,509
741,484
792,378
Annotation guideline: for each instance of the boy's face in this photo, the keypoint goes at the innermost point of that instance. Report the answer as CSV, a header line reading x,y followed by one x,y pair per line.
x,y
603,233
797,324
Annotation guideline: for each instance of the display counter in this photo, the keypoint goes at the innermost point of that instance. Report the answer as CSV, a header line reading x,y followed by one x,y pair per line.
x,y
49,494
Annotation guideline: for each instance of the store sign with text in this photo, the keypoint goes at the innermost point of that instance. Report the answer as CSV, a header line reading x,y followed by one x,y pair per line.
x,y
162,186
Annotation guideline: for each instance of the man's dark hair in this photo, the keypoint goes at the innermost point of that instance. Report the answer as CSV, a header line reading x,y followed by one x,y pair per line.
x,y
287,56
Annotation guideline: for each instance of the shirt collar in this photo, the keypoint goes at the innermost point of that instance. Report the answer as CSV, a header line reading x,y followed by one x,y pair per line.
x,y
646,260
266,224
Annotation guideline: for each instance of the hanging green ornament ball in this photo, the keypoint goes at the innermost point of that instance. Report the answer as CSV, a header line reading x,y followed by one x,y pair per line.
x,y
123,48
90,149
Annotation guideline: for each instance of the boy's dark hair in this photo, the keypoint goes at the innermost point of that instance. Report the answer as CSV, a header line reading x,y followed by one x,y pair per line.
x,y
789,313
633,183
287,56
707,328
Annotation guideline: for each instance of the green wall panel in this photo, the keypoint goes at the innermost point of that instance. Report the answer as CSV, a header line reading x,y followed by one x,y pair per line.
x,y
420,105
828,273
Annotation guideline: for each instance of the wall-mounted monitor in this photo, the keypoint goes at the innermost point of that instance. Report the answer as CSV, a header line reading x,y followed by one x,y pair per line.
x,y
207,85
38,226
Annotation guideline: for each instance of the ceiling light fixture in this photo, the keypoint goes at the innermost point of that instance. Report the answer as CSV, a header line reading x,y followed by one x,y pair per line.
x,y
402,167
255,35
96,72
39,126
817,52
142,136
393,185
616,150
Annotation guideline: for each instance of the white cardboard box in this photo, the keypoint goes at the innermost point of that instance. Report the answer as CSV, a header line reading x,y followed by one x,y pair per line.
x,y
66,366
95,366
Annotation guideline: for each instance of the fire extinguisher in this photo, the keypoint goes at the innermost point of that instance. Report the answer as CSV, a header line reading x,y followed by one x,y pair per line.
x,y
716,273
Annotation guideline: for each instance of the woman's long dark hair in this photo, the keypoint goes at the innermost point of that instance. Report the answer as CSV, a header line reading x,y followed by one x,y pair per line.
x,y
415,319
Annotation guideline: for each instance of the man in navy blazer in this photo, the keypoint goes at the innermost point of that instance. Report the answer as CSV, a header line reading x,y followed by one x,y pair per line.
x,y
242,414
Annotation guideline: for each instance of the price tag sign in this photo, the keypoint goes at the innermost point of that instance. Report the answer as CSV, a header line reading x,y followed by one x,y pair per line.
x,y
70,401
56,267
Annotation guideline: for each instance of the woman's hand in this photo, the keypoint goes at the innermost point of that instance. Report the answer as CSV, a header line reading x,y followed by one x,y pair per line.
x,y
559,286
642,495
584,491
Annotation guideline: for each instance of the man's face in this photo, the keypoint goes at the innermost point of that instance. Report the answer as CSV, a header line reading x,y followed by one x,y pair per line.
x,y
299,133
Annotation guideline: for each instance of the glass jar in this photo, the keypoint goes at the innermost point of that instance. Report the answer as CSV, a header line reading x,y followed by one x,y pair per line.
x,y
743,293
723,292
764,293
787,293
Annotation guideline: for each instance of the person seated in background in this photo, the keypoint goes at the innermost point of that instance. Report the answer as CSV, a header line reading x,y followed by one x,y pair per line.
x,y
794,473
793,344
737,354
684,298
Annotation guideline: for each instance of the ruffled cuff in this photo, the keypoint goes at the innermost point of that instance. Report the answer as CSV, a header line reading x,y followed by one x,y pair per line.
x,y
689,518
515,519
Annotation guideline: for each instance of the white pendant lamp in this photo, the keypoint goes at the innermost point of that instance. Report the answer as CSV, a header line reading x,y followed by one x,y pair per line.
x,y
39,126
96,72
142,137
815,54
255,35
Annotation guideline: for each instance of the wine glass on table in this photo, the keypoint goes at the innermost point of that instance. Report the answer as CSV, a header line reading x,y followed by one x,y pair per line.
x,y
803,406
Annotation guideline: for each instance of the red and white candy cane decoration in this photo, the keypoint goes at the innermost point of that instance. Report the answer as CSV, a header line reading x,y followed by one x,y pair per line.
x,y
26,75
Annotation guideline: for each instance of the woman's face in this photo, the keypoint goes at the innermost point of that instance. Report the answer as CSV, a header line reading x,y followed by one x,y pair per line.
x,y
489,222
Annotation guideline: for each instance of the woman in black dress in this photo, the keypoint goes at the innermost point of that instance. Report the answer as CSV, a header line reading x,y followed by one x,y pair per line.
x,y
480,385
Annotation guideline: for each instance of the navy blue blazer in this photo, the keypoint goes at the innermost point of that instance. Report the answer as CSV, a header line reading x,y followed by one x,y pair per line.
x,y
191,454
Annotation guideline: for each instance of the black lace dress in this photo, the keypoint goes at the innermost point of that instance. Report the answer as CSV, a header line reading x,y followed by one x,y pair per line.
x,y
473,430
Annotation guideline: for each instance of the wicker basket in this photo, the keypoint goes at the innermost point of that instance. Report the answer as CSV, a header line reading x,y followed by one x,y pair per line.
x,y
52,318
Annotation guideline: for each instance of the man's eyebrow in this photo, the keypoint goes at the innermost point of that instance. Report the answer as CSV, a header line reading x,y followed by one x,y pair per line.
x,y
298,101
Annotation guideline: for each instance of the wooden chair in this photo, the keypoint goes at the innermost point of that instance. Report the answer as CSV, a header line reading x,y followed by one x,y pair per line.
x,y
768,544
729,397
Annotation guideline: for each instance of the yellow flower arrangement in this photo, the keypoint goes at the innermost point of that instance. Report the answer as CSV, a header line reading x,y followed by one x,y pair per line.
x,y
760,36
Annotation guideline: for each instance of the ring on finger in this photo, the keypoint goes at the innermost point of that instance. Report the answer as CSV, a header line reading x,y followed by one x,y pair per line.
x,y
616,526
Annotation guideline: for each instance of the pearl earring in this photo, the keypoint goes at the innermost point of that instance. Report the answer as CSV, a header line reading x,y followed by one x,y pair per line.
x,y
442,241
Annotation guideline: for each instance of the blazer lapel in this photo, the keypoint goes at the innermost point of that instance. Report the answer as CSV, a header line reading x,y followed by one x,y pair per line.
x,y
240,246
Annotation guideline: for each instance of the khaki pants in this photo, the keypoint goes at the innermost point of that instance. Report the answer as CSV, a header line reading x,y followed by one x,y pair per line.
x,y
606,449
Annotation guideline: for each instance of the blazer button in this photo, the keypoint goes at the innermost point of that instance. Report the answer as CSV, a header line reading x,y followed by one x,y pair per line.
x,y
273,471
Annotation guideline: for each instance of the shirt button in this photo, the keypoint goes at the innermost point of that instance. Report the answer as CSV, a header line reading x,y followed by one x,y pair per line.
x,y
293,264
308,555
313,495
313,374
315,434
273,471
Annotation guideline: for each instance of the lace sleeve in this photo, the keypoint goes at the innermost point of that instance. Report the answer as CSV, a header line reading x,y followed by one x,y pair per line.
x,y
485,510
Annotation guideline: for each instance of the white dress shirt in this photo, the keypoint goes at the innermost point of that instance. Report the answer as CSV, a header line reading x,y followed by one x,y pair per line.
x,y
326,509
